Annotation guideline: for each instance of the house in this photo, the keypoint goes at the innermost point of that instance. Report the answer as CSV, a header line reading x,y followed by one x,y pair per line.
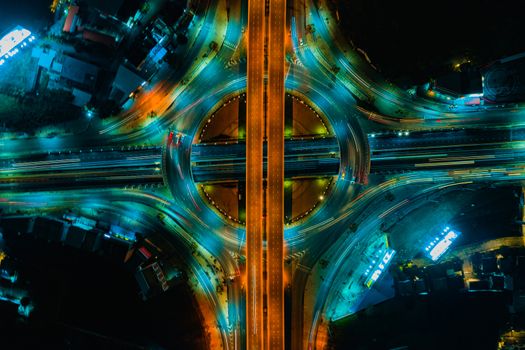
x,y
80,98
79,73
75,237
45,57
72,19
126,82
48,229
465,82
100,38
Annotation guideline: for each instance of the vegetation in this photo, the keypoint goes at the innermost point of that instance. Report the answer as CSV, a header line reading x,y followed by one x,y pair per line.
x,y
18,112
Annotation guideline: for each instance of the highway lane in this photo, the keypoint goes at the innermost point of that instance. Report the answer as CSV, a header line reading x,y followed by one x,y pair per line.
x,y
314,157
447,149
450,158
254,175
209,152
82,180
458,137
294,168
106,168
389,153
275,175
103,157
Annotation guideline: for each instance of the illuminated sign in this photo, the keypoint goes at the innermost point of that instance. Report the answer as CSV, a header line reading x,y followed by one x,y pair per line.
x,y
440,245
12,42
379,267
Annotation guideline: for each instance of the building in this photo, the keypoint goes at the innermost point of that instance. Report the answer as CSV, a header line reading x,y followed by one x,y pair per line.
x,y
80,98
16,226
126,82
100,38
75,237
156,269
504,80
93,25
13,41
80,74
151,280
45,56
48,229
72,19
476,285
8,270
461,83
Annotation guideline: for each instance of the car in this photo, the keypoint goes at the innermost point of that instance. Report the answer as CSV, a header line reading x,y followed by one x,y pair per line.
x,y
178,139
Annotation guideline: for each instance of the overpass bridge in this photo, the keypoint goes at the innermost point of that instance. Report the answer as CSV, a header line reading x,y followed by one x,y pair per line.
x,y
306,157
390,153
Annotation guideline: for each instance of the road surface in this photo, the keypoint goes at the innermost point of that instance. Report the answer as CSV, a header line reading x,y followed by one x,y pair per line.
x,y
254,175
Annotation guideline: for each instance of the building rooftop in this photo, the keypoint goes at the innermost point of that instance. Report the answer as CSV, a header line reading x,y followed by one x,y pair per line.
x,y
45,57
71,19
80,98
79,71
100,38
126,81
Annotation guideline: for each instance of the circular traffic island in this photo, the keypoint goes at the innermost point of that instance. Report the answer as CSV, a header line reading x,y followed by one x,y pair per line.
x,y
218,159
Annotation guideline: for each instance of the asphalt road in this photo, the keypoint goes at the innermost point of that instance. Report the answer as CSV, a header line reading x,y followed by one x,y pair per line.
x,y
275,179
254,175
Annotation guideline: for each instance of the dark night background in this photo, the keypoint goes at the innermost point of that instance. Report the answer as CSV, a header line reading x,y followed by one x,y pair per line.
x,y
32,14
411,41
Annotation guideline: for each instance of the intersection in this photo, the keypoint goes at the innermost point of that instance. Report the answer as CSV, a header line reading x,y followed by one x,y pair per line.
x,y
143,170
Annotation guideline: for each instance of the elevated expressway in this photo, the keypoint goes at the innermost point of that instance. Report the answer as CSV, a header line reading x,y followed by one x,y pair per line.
x,y
82,168
275,245
390,153
255,108
116,165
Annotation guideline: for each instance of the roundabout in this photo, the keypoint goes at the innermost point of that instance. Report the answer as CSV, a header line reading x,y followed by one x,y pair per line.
x,y
318,116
